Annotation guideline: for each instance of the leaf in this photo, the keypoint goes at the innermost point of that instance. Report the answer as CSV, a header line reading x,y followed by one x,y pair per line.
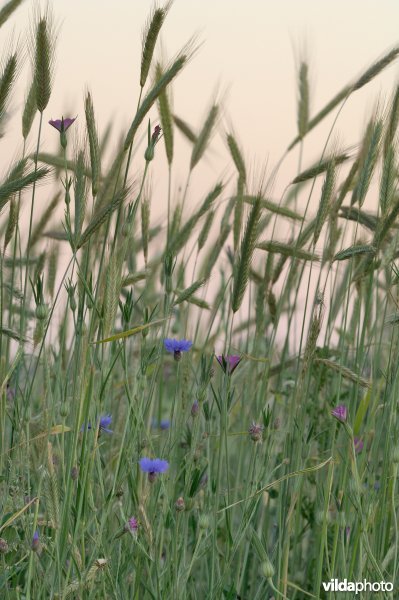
x,y
17,514
361,412
129,332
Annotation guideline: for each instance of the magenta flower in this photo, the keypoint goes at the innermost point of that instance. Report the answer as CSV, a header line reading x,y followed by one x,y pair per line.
x,y
62,124
156,134
132,525
229,362
358,444
340,413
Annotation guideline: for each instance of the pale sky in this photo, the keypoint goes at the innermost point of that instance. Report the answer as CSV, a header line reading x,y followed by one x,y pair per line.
x,y
248,54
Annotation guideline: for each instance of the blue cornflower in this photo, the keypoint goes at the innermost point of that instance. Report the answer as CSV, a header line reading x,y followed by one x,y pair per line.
x,y
105,421
177,346
153,466
163,424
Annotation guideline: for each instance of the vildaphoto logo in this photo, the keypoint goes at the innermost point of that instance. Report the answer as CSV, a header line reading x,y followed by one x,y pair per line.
x,y
335,585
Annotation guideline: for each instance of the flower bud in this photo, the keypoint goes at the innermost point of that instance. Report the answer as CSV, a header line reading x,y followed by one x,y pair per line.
x,y
41,312
180,504
255,432
267,569
203,522
341,518
395,455
149,153
126,229
64,410
89,302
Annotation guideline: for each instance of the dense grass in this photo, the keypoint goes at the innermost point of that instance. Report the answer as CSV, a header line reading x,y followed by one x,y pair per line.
x,y
270,490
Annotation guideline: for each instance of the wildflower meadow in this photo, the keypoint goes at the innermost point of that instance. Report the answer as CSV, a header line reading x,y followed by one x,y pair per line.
x,y
202,406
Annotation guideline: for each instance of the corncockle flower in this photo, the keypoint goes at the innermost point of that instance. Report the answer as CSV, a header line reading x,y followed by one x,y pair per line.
x,y
132,526
195,408
104,422
340,413
358,444
62,124
152,142
177,347
36,546
153,466
255,432
229,362
156,134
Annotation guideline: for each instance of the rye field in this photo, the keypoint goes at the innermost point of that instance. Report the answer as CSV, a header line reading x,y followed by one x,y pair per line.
x,y
203,406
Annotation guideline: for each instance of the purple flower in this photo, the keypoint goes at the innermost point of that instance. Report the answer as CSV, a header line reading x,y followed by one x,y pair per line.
x,y
359,444
340,413
177,346
132,525
36,546
195,408
229,362
105,421
153,466
156,134
62,124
